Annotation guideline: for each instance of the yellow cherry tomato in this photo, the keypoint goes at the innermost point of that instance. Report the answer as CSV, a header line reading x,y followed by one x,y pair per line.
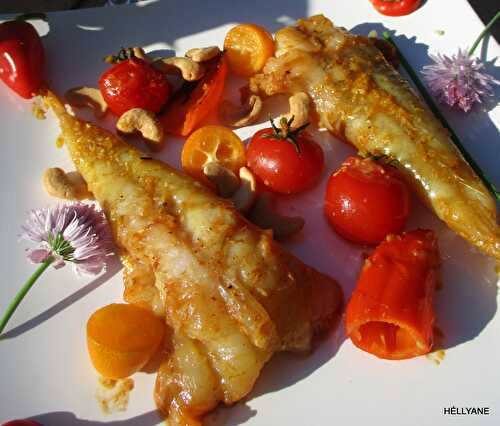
x,y
248,47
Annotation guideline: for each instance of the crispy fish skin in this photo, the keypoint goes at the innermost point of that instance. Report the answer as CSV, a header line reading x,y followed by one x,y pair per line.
x,y
360,98
230,294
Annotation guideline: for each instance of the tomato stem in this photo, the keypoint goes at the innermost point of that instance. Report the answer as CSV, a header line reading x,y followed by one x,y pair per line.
x,y
285,131
124,54
434,108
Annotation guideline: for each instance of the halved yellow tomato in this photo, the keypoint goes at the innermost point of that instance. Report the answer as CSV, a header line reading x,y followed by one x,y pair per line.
x,y
248,47
212,144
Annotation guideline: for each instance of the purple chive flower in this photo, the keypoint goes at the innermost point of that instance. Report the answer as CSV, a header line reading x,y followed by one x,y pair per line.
x,y
73,232
459,80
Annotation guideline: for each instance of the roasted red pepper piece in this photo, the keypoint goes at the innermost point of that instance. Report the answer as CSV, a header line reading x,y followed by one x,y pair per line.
x,y
390,313
189,108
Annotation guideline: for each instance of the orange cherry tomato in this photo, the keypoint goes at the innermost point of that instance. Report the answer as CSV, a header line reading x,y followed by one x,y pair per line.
x,y
390,314
212,144
365,201
191,106
248,47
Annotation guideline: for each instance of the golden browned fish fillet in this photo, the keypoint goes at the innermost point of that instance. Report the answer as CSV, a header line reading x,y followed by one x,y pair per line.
x,y
230,294
360,98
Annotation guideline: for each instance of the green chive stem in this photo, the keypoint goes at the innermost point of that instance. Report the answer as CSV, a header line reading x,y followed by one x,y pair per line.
x,y
433,107
483,33
22,292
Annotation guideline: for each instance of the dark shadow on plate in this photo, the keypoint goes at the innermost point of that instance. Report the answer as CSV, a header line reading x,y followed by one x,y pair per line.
x,y
161,53
65,418
234,415
492,69
282,371
467,299
113,268
285,369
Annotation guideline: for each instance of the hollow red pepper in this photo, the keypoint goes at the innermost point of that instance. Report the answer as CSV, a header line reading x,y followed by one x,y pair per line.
x,y
396,7
391,313
21,58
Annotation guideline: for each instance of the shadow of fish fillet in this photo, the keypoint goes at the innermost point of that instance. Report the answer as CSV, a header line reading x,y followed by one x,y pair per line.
x,y
230,294
362,99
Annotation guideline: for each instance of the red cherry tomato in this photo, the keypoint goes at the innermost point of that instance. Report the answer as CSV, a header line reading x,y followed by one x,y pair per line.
x,y
396,7
22,423
366,201
21,58
133,83
283,166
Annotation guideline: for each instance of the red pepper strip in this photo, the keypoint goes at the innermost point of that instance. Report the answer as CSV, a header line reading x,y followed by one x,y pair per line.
x,y
396,7
185,115
390,314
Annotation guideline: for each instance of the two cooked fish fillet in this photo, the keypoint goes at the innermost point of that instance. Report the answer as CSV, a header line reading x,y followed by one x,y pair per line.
x,y
360,98
231,296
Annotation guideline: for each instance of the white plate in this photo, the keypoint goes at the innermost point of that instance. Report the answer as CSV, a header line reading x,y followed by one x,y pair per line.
x,y
44,369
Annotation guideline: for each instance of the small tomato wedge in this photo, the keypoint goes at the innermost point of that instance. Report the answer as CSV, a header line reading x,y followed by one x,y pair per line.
x,y
212,144
365,201
396,7
21,58
248,47
191,106
390,314
133,83
22,423
287,161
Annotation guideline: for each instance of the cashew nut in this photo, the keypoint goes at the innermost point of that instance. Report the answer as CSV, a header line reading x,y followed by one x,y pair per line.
x,y
69,186
245,196
239,116
224,179
299,109
242,191
189,69
87,97
203,54
143,121
263,216
139,52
